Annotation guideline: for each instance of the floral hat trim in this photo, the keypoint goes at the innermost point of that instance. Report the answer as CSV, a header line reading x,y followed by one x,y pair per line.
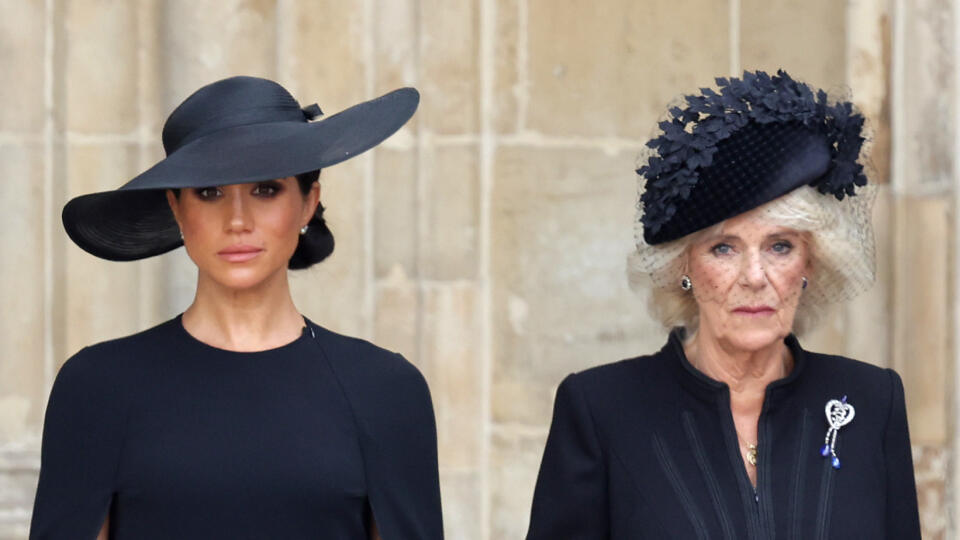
x,y
690,137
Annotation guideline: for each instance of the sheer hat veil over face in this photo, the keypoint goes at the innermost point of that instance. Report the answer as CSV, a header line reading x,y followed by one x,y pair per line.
x,y
233,131
773,147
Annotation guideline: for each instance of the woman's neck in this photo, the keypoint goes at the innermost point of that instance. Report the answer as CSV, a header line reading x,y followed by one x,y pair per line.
x,y
746,372
253,319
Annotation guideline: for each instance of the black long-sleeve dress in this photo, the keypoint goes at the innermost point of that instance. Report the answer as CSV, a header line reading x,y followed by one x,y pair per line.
x,y
646,449
178,439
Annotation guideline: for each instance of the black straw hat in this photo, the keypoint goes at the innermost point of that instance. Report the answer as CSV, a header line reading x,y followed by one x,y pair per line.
x,y
731,151
236,130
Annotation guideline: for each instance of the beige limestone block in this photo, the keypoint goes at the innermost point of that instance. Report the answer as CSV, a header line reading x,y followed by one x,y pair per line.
x,y
562,226
829,335
869,71
450,359
806,38
321,55
507,61
449,71
102,297
397,315
930,469
461,505
206,40
923,331
150,78
16,528
102,66
514,463
23,53
395,41
929,92
395,211
449,241
18,485
612,71
868,316
22,292
331,292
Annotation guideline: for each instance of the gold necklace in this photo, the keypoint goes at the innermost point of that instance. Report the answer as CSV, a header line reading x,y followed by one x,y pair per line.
x,y
751,450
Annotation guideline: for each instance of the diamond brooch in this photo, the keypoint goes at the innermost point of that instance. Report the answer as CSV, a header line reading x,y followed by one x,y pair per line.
x,y
839,413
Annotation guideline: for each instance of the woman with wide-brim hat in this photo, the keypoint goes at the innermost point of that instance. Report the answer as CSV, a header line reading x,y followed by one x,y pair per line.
x,y
754,216
239,418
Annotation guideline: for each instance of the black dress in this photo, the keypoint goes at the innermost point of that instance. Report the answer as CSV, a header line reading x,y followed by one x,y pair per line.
x,y
646,449
178,439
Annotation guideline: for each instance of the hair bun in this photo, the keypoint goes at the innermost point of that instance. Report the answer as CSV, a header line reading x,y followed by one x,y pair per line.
x,y
315,245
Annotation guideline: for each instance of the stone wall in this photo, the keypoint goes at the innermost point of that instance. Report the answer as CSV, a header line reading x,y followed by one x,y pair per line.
x,y
486,241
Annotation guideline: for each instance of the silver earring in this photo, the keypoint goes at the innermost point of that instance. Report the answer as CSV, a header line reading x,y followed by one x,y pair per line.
x,y
685,283
303,230
181,236
804,278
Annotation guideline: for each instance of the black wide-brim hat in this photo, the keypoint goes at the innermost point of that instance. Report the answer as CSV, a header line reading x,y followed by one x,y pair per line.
x,y
233,131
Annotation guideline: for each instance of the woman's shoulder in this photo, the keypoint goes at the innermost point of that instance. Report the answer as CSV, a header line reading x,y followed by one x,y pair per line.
x,y
641,378
869,384
105,376
834,366
362,362
118,354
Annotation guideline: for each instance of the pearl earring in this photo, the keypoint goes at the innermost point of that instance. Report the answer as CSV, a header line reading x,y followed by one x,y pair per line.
x,y
303,230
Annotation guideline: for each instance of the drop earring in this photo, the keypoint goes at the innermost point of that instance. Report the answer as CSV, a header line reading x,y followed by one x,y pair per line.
x,y
805,282
685,283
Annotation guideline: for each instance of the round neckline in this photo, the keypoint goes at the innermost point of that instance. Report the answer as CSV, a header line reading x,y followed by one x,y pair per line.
x,y
305,333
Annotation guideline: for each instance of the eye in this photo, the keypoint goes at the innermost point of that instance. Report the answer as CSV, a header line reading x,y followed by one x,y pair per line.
x,y
721,249
266,189
207,193
782,247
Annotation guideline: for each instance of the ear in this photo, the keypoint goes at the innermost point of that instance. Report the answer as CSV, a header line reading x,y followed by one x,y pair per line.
x,y
310,204
174,206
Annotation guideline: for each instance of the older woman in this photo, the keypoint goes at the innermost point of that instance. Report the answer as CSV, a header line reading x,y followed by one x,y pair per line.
x,y
239,418
754,216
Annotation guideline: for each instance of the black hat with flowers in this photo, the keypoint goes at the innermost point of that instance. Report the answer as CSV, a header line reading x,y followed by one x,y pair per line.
x,y
733,150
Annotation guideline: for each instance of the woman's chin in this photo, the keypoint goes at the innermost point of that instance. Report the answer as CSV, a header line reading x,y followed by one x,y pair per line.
x,y
753,337
241,278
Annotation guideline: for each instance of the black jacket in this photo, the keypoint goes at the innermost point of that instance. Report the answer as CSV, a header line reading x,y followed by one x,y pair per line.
x,y
646,449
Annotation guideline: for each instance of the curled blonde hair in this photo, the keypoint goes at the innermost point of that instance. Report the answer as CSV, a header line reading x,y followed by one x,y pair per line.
x,y
841,251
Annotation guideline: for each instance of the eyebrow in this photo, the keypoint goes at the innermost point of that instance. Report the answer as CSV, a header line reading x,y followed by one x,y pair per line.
x,y
779,234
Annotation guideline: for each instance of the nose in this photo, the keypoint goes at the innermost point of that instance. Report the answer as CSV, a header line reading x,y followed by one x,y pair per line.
x,y
239,218
753,272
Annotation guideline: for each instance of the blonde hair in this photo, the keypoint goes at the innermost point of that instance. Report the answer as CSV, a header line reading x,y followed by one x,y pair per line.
x,y
841,252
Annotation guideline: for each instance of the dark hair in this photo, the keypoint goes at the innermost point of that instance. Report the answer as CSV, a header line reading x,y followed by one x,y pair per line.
x,y
317,243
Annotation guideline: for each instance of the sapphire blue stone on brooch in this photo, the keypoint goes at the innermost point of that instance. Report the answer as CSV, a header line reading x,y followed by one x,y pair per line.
x,y
839,413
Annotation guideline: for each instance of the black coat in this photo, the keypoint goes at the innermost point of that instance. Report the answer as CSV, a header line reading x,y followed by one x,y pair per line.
x,y
646,449
178,439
